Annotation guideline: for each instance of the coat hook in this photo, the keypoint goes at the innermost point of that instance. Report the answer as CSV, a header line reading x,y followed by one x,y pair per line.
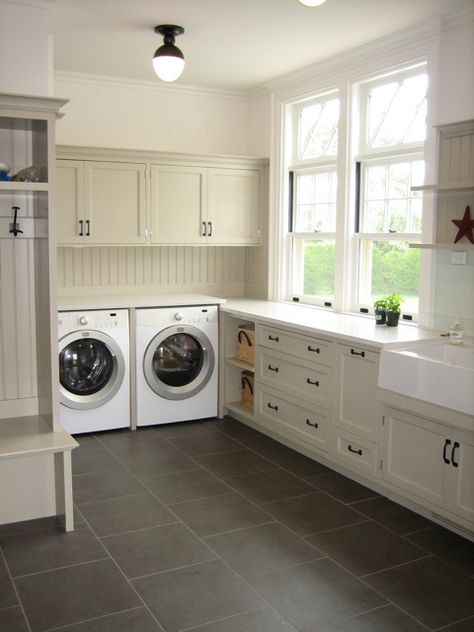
x,y
15,226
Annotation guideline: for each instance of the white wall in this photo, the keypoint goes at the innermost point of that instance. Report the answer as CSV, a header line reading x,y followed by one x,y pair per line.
x,y
140,115
24,49
454,284
456,69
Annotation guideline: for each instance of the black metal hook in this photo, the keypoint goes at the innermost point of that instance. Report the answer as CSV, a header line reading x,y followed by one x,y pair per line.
x,y
15,226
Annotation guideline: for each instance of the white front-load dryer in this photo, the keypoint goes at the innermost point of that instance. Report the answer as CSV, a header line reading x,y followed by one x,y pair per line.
x,y
177,358
94,370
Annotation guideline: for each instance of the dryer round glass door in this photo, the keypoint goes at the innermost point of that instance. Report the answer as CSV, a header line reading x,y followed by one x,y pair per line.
x,y
178,362
91,369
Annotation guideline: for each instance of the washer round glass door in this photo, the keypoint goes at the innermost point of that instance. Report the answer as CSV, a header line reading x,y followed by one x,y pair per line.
x,y
91,369
178,362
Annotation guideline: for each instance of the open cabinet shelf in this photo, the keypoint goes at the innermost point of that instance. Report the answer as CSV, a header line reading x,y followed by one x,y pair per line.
x,y
35,451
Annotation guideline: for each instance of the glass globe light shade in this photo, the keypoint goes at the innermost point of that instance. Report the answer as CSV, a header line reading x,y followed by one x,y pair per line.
x,y
312,3
168,63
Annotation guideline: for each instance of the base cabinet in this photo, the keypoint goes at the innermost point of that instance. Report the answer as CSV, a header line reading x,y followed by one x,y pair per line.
x,y
429,461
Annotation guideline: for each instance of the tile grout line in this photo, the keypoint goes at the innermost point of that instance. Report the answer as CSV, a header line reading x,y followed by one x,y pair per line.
x,y
99,618
20,603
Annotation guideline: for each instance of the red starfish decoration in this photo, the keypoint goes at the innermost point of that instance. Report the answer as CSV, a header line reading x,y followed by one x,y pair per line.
x,y
465,225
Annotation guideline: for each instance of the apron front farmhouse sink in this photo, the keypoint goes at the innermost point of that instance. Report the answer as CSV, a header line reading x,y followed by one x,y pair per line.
x,y
434,372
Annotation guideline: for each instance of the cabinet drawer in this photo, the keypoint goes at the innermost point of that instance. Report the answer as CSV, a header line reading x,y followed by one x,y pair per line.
x,y
295,377
306,347
289,418
355,453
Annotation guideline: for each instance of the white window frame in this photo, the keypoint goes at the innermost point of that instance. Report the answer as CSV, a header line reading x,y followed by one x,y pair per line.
x,y
302,167
372,156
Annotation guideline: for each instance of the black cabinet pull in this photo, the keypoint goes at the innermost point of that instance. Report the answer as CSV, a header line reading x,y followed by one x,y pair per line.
x,y
351,449
358,353
203,234
455,447
273,368
273,338
309,381
271,406
315,425
88,228
313,349
446,444
209,229
81,228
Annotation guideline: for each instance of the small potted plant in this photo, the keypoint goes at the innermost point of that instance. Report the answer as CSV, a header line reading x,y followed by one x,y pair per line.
x,y
392,309
380,307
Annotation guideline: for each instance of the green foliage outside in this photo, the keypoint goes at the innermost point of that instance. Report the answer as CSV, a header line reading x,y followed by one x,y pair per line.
x,y
394,269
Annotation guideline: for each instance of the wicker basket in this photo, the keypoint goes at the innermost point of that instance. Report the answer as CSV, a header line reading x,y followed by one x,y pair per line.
x,y
246,344
246,391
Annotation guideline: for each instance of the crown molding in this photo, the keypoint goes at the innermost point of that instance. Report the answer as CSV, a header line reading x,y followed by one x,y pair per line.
x,y
457,19
139,84
411,43
37,4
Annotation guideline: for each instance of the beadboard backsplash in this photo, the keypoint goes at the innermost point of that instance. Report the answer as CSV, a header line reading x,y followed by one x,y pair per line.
x,y
214,270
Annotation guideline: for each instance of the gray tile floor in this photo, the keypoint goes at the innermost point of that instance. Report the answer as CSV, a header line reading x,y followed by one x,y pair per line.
x,y
213,527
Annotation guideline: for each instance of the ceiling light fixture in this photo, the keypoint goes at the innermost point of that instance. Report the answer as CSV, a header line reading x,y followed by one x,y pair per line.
x,y
312,3
168,61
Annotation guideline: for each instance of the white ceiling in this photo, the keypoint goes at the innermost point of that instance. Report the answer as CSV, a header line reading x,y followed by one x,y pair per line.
x,y
228,44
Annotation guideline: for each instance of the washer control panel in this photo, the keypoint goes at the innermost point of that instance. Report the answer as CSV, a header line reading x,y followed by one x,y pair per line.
x,y
99,320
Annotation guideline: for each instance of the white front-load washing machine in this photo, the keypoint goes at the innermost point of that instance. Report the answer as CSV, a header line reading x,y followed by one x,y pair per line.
x,y
94,370
177,357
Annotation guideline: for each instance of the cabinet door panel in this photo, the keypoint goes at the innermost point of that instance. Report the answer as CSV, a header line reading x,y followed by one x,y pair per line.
x,y
69,201
358,410
233,206
178,197
461,478
413,455
115,203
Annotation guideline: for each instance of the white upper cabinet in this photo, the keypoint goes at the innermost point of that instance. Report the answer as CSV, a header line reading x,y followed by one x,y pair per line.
x,y
69,201
100,203
233,206
177,210
108,197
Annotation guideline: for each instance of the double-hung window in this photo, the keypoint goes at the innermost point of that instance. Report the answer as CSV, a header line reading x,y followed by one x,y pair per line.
x,y
313,193
389,163
353,210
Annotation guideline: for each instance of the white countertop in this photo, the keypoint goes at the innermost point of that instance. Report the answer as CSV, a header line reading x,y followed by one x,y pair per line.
x,y
124,301
326,323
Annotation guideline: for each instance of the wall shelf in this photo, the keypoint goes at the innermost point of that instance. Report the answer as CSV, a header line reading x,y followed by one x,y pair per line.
x,y
23,186
243,365
444,246
446,186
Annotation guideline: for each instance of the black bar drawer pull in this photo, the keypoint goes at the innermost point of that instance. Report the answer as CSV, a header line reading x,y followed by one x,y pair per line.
x,y
455,447
351,449
447,443
88,227
273,368
310,381
315,425
313,349
81,228
358,353
273,338
203,234
271,406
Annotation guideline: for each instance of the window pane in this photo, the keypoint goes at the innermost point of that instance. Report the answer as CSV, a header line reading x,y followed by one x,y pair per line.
x,y
317,130
388,267
397,112
314,266
315,202
388,202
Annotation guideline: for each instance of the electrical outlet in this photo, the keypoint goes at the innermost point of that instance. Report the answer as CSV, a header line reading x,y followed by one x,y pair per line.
x,y
458,257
